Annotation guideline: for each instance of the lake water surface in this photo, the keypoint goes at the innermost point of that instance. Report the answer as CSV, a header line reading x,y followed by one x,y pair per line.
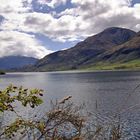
x,y
110,89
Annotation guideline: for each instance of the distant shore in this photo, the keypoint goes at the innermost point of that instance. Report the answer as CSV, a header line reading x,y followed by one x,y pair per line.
x,y
77,71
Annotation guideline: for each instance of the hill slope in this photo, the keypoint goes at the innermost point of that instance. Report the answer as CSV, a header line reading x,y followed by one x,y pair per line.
x,y
87,52
10,62
126,55
126,52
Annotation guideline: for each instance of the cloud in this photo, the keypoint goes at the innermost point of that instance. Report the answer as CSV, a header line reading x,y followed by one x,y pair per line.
x,y
1,19
72,24
8,6
86,18
13,39
17,43
137,10
61,29
52,3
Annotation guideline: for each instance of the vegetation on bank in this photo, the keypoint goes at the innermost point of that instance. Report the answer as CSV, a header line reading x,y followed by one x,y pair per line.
x,y
103,65
2,73
130,65
64,120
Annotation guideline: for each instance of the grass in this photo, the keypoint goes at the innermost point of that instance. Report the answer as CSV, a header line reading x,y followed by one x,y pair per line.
x,y
131,65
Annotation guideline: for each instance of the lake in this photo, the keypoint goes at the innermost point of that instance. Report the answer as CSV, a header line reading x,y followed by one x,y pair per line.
x,y
111,90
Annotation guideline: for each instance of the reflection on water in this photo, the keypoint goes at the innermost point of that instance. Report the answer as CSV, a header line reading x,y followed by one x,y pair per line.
x,y
109,89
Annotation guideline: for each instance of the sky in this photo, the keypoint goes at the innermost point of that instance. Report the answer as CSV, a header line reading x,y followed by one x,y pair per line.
x,y
36,28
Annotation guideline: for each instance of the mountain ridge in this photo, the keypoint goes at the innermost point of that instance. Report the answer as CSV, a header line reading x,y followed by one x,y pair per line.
x,y
10,62
84,51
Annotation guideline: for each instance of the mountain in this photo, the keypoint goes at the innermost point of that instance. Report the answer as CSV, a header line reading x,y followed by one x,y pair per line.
x,y
124,56
124,52
138,34
86,53
10,62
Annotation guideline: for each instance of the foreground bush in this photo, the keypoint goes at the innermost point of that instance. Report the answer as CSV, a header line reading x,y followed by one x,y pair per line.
x,y
64,121
2,72
62,118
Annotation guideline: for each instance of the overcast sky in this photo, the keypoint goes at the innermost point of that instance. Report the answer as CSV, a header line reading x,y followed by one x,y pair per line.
x,y
38,27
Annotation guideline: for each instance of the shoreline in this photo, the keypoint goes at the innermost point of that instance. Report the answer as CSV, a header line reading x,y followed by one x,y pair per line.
x,y
75,71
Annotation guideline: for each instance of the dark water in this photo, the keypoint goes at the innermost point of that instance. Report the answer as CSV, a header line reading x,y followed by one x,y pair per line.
x,y
111,90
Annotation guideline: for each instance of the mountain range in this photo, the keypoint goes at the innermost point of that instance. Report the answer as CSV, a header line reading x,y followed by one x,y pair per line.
x,y
113,48
10,62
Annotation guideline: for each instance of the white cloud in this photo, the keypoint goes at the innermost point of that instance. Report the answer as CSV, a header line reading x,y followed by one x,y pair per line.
x,y
17,43
86,18
52,3
13,42
137,10
112,3
8,6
